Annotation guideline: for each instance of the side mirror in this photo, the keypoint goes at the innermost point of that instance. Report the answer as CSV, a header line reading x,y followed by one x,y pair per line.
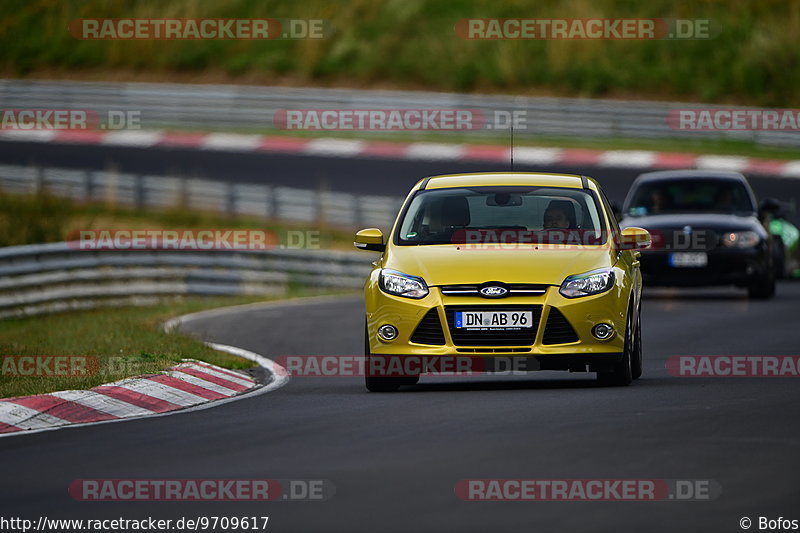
x,y
370,239
634,238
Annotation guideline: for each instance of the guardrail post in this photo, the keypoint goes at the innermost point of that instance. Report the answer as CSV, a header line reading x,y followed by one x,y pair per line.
x,y
273,207
319,208
138,192
230,199
183,193
358,213
39,179
88,186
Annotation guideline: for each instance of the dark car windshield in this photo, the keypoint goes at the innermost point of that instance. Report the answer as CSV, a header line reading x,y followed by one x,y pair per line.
x,y
690,196
505,214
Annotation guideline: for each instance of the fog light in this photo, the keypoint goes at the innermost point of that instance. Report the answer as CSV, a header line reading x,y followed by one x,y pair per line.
x,y
603,331
387,332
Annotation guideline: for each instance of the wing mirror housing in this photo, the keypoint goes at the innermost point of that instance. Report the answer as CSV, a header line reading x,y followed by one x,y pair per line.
x,y
370,239
634,238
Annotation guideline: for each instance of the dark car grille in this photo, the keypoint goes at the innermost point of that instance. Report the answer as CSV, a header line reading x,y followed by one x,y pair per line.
x,y
558,329
429,330
514,289
509,337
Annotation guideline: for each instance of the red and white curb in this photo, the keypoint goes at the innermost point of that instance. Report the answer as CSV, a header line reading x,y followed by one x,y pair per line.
x,y
191,385
426,151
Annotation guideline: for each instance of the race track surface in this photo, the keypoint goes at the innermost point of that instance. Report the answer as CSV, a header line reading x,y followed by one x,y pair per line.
x,y
395,458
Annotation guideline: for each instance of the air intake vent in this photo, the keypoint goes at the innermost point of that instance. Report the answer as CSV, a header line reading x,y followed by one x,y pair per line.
x,y
558,330
514,289
429,330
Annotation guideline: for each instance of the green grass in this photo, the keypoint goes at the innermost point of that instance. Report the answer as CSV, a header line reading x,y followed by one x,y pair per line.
x,y
46,218
412,44
124,342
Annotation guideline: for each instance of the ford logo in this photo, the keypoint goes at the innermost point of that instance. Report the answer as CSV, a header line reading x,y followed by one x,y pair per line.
x,y
493,291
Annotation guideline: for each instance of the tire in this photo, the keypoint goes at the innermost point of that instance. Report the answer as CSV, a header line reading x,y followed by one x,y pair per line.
x,y
382,383
622,374
636,355
762,289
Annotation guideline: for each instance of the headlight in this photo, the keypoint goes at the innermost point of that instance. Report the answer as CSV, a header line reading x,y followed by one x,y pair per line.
x,y
586,284
741,239
400,284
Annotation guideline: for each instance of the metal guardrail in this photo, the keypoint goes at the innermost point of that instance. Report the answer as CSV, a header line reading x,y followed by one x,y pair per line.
x,y
43,278
284,204
241,107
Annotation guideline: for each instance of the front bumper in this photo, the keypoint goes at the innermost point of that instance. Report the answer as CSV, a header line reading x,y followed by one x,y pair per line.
x,y
725,267
543,348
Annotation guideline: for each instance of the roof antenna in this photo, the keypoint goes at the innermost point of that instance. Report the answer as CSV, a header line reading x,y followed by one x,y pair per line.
x,y
512,147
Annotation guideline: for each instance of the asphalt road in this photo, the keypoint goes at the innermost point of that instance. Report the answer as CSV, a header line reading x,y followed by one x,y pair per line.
x,y
392,177
395,458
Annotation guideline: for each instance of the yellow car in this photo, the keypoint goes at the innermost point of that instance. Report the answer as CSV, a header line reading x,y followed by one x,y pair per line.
x,y
521,267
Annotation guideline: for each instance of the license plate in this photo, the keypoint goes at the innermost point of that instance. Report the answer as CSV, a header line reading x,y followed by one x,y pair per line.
x,y
494,319
688,259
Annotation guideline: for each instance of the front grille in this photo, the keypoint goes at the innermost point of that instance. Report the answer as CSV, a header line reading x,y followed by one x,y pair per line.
x,y
429,330
508,337
558,330
676,240
514,289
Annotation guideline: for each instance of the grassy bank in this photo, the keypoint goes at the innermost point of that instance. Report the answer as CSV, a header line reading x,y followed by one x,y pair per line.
x,y
412,44
117,343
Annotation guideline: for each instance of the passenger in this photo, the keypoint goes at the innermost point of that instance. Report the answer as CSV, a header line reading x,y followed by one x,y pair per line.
x,y
659,201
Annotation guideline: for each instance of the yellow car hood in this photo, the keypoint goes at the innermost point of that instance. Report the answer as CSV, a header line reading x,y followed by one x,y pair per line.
x,y
450,264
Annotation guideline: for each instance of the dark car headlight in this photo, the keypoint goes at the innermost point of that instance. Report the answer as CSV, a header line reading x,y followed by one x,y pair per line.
x,y
400,284
740,239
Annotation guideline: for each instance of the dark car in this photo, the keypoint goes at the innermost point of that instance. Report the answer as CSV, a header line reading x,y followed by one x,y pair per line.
x,y
706,230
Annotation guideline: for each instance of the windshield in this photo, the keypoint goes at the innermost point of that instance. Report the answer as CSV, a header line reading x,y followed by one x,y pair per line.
x,y
502,214
690,196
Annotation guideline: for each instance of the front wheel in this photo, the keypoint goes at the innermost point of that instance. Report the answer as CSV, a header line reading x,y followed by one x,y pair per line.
x,y
762,289
377,383
622,373
382,384
636,355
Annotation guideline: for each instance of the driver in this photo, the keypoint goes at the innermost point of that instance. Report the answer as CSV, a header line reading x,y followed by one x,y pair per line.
x,y
560,214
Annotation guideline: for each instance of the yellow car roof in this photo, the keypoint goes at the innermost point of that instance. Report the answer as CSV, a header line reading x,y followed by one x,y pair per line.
x,y
477,179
